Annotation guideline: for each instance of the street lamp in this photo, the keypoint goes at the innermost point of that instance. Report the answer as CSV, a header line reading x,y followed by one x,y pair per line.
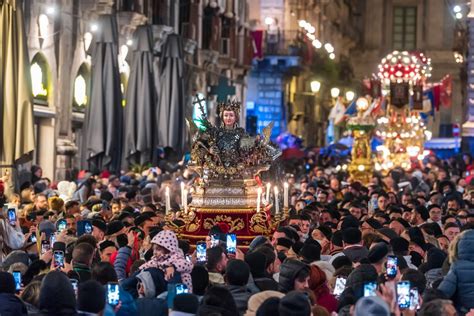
x,y
350,95
315,86
335,92
269,21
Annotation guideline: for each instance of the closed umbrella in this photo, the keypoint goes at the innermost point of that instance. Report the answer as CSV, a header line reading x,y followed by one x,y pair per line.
x,y
171,124
104,116
16,107
140,125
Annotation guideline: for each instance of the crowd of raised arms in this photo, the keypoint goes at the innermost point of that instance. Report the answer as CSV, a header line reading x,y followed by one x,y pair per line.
x,y
402,244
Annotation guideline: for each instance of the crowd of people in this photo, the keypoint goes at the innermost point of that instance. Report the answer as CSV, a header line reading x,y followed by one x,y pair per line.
x,y
402,244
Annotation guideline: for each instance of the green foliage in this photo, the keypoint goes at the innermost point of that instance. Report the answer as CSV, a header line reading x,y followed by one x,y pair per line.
x,y
325,68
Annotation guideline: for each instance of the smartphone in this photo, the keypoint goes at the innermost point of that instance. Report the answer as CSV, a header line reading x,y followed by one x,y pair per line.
x,y
83,227
11,216
392,266
45,246
214,241
201,251
414,299
75,285
58,256
340,286
370,289
403,294
33,238
61,225
181,288
231,244
113,294
52,239
17,277
173,290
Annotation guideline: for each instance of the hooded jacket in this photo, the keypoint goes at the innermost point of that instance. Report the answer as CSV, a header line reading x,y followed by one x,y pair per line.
x,y
241,297
459,282
289,269
168,240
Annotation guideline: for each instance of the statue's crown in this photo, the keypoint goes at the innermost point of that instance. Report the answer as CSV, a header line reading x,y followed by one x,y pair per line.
x,y
229,106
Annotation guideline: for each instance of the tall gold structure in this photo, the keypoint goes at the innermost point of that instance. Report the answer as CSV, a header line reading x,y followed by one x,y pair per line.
x,y
361,166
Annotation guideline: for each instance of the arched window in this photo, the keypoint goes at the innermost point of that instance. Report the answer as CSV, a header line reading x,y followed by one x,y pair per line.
x,y
81,89
40,79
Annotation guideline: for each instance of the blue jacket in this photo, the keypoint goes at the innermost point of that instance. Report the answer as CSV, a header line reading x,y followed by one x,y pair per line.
x,y
459,282
121,260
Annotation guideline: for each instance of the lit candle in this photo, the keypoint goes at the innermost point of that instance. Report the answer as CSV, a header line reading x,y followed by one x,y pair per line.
x,y
185,201
285,195
277,205
259,198
182,194
267,196
168,200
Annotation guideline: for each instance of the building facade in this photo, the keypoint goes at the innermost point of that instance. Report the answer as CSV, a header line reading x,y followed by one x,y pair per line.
x,y
217,48
426,26
361,33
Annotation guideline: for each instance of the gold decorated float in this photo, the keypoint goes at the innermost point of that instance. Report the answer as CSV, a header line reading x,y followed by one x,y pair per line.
x,y
228,191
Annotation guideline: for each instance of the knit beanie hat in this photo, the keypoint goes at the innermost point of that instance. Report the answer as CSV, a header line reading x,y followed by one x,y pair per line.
x,y
186,303
257,300
7,283
371,306
294,303
269,307
310,252
91,297
377,252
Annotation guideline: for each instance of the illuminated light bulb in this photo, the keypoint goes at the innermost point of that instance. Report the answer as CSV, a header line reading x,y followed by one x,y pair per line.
x,y
316,43
329,48
302,23
269,20
361,168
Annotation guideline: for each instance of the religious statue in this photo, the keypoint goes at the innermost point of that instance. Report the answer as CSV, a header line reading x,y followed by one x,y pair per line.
x,y
227,151
228,191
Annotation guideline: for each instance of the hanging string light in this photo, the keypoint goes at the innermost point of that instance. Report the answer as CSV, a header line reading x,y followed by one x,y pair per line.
x,y
310,30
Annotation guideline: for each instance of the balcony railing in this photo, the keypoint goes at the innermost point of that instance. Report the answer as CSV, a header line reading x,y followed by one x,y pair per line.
x,y
279,42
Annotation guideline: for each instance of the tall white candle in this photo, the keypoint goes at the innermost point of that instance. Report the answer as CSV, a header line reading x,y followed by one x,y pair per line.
x,y
168,200
185,200
182,194
277,204
285,195
267,196
259,198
